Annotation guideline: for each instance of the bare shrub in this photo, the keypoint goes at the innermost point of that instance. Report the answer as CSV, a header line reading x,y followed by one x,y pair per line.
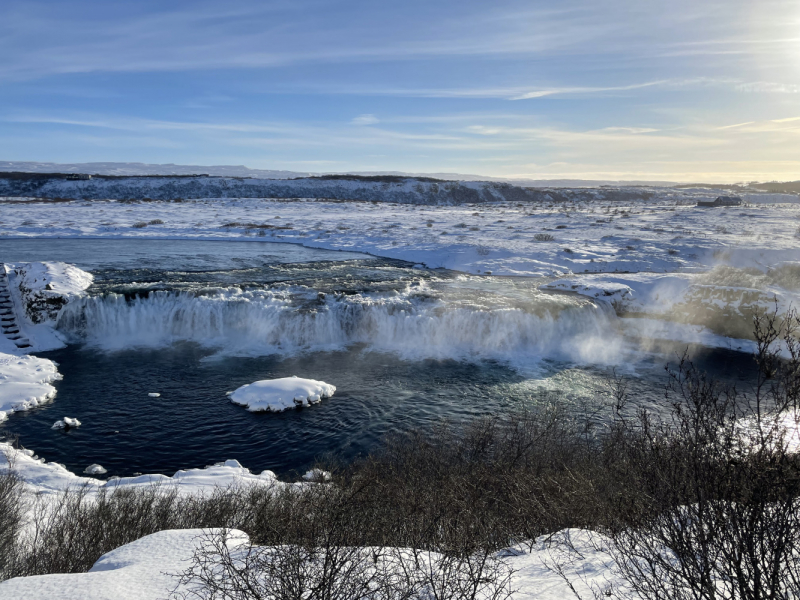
x,y
139,225
155,222
721,483
11,520
544,237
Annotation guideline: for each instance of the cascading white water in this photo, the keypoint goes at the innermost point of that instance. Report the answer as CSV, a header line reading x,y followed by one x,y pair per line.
x,y
412,325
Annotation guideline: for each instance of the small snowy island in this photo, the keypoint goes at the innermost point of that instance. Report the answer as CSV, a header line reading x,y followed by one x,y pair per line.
x,y
276,395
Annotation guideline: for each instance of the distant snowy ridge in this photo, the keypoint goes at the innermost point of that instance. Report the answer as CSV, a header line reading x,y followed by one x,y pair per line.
x,y
406,190
134,168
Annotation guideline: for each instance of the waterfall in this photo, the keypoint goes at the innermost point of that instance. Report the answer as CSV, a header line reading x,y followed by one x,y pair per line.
x,y
414,326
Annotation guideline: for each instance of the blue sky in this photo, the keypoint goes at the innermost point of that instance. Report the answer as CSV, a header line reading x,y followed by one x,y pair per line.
x,y
612,89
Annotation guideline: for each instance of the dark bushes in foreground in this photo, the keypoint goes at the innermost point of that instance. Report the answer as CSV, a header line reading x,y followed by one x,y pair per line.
x,y
701,505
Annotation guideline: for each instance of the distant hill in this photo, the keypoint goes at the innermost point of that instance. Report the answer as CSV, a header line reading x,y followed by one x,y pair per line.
x,y
134,169
372,188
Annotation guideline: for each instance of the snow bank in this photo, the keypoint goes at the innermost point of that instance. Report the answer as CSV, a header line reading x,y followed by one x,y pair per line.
x,y
39,290
49,477
276,395
140,570
25,382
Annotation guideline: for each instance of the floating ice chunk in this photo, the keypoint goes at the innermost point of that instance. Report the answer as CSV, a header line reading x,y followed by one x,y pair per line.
x,y
95,469
154,395
66,423
317,475
275,395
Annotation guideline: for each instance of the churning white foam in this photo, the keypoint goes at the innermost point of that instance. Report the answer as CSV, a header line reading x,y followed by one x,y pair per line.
x,y
414,326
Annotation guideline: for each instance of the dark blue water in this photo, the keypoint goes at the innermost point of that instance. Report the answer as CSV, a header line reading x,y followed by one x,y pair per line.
x,y
193,424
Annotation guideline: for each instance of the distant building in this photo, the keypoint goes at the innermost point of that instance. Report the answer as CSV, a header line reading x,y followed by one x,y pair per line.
x,y
723,201
73,176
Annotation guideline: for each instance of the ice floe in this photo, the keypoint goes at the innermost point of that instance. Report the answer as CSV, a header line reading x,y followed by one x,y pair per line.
x,y
275,395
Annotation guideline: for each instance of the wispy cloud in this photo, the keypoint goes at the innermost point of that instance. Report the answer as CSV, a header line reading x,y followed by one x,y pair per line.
x,y
365,119
523,85
769,87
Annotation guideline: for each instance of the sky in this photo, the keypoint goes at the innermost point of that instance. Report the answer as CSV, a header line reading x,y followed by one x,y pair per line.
x,y
679,90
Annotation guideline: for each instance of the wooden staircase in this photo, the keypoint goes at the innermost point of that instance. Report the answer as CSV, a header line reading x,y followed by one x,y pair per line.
x,y
8,320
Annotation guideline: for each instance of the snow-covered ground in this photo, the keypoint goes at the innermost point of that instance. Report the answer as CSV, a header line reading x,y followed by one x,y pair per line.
x,y
662,235
147,569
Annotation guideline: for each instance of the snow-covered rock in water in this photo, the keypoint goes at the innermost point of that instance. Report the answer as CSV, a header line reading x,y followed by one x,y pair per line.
x,y
141,570
95,469
45,287
610,291
25,382
66,423
154,395
275,395
317,475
